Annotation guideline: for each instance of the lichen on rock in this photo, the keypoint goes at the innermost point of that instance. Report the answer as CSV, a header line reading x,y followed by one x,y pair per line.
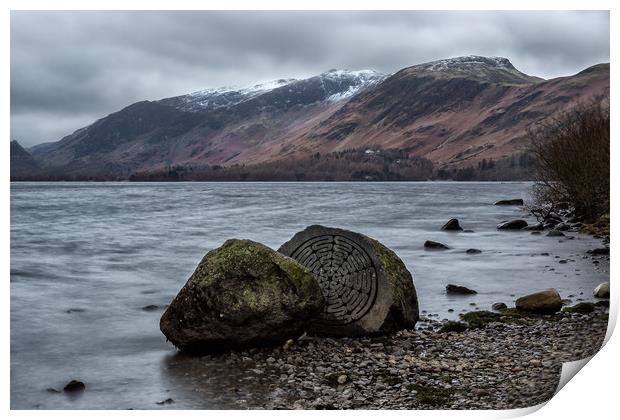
x,y
242,294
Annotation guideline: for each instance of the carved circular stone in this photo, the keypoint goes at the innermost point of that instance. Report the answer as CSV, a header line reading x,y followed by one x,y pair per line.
x,y
359,299
346,273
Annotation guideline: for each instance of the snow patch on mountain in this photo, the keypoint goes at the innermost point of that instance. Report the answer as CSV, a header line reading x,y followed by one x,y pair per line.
x,y
469,60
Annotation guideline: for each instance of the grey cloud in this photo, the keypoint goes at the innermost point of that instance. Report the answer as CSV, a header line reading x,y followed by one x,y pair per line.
x,y
70,68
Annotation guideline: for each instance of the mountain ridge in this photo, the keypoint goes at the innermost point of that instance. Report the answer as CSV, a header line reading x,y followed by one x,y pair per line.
x,y
454,112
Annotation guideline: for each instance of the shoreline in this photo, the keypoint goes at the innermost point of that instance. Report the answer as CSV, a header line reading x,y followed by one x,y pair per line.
x,y
511,362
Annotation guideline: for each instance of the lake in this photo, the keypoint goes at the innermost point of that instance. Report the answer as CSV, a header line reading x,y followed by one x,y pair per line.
x,y
87,258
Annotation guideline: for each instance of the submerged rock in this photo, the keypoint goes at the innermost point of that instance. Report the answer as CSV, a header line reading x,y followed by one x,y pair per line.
x,y
452,224
555,233
242,294
515,224
459,290
602,291
545,302
473,251
511,202
435,245
367,288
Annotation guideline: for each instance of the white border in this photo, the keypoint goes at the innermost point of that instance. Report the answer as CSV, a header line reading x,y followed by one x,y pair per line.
x,y
592,394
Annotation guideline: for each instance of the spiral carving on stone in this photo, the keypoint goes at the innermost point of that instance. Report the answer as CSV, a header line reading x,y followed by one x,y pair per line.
x,y
346,273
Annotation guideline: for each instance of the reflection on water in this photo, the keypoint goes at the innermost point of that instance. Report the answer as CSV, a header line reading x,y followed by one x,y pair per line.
x,y
87,258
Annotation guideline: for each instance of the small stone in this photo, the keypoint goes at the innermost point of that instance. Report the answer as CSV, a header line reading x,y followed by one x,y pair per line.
x,y
287,346
602,291
544,302
473,251
499,306
342,379
166,401
555,233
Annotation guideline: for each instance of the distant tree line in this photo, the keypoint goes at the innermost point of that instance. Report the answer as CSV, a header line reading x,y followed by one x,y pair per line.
x,y
369,164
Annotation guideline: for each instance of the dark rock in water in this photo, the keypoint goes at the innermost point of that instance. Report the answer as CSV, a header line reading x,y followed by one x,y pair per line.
x,y
545,302
473,251
242,294
367,288
555,233
151,308
452,224
512,202
562,226
602,303
435,245
580,308
74,310
74,386
453,326
468,231
166,401
598,251
566,302
499,306
536,232
515,224
602,291
53,391
537,226
459,290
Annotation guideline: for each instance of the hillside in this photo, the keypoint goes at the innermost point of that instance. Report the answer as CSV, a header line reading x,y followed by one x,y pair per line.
x,y
457,113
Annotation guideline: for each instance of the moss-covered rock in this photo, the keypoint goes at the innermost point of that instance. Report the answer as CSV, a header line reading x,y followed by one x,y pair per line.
x,y
453,326
242,294
367,287
580,308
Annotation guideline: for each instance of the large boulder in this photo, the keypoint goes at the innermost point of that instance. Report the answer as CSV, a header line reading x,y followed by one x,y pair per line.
x,y
452,224
242,294
545,302
367,288
602,291
515,224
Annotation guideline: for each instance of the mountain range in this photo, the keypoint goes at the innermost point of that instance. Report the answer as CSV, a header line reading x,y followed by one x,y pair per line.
x,y
456,113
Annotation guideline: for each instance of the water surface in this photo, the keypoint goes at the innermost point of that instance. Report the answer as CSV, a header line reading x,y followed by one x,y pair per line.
x,y
86,258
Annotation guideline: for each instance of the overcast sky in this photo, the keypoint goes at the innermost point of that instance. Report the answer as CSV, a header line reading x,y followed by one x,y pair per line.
x,y
71,68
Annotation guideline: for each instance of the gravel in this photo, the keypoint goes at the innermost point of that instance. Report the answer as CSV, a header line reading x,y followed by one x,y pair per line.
x,y
513,363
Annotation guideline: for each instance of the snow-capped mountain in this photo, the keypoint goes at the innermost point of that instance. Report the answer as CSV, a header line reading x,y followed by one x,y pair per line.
x,y
333,85
454,112
493,69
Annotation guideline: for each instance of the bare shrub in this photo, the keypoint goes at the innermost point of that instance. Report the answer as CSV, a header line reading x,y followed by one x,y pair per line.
x,y
571,151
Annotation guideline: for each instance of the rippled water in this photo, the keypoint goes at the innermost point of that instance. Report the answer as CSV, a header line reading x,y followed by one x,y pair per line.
x,y
87,258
